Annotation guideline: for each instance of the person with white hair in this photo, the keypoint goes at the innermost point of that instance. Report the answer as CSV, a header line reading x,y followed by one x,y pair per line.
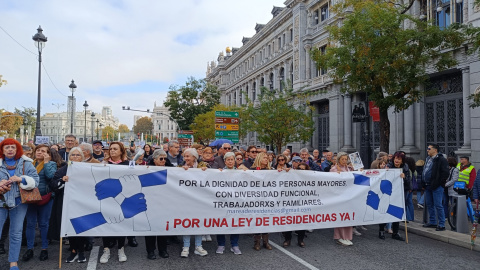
x,y
190,156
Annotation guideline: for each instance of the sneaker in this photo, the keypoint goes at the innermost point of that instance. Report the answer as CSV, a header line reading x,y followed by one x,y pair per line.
x,y
121,255
349,243
72,257
185,252
208,238
220,249
81,257
200,251
204,238
355,232
310,231
342,242
362,227
105,256
420,206
236,250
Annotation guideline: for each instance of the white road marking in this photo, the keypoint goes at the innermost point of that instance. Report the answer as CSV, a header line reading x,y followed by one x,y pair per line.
x,y
92,262
291,255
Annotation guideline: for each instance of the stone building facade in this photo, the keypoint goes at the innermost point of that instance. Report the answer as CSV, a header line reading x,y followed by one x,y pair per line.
x,y
163,126
279,52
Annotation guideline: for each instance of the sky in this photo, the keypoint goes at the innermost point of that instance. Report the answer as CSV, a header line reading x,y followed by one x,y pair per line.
x,y
120,53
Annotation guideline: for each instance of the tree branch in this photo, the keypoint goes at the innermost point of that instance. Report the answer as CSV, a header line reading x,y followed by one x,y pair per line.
x,y
408,7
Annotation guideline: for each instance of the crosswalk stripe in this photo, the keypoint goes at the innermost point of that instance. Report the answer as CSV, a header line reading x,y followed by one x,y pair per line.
x,y
92,262
295,257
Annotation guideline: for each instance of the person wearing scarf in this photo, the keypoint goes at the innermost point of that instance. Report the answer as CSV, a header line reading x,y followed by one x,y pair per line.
x,y
21,174
46,169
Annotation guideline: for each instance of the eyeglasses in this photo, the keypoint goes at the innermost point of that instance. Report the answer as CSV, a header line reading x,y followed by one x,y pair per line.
x,y
75,155
239,158
281,159
162,158
207,152
254,152
227,148
429,149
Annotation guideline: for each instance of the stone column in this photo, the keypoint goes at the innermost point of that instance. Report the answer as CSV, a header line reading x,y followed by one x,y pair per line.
x,y
347,124
409,132
466,149
308,62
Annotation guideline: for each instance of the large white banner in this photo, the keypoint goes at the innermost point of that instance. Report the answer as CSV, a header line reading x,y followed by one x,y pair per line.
x,y
115,200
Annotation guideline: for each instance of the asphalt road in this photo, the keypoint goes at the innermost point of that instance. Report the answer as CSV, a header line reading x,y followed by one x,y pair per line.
x,y
321,252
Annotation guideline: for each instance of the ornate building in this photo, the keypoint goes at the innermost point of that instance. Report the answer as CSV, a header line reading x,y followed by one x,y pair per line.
x,y
163,126
57,125
279,52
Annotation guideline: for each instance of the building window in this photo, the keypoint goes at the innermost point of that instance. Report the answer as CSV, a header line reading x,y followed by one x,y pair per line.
x,y
283,43
459,12
235,97
315,14
442,13
291,34
271,82
254,91
269,50
241,96
279,43
324,12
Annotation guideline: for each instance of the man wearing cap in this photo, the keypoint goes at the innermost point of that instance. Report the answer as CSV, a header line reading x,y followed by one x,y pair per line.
x,y
97,150
467,172
295,161
381,156
70,141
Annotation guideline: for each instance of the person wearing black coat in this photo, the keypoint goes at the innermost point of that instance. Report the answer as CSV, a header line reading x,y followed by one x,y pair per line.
x,y
435,174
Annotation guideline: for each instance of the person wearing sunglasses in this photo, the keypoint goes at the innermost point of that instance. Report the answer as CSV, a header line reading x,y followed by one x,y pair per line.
x,y
282,163
21,174
251,156
159,158
219,160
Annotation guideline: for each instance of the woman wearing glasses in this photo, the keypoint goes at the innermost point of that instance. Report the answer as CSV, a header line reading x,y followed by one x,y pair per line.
x,y
40,212
207,156
159,158
16,172
77,244
282,163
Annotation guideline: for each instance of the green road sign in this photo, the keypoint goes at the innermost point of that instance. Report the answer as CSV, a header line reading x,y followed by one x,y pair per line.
x,y
226,114
184,136
234,140
219,133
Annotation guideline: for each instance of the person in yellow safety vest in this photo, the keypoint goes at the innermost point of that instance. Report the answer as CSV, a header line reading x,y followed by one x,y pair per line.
x,y
467,171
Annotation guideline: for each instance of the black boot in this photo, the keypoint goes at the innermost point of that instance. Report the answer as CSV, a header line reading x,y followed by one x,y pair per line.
x,y
132,241
151,255
397,236
43,255
381,235
27,255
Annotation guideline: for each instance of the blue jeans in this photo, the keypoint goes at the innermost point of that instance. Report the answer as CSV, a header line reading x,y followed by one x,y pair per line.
x,y
409,206
186,240
42,214
17,215
233,240
433,200
420,197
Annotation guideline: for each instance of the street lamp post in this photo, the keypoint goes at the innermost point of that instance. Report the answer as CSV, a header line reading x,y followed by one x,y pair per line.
x,y
93,123
72,87
85,131
127,108
101,131
40,40
97,128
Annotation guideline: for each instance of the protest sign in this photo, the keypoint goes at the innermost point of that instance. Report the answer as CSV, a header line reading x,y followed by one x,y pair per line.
x,y
115,200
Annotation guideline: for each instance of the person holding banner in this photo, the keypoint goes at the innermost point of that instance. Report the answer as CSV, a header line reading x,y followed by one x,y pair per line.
x,y
282,163
398,162
190,156
301,233
230,164
77,244
343,236
158,158
41,211
261,163
16,172
117,155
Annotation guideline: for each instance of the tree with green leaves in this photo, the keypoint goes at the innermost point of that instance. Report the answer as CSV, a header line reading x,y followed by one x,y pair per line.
x,y
112,133
276,119
203,125
143,125
187,101
381,50
29,119
122,128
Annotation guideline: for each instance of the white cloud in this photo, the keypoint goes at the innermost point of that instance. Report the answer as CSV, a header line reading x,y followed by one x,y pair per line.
x,y
104,44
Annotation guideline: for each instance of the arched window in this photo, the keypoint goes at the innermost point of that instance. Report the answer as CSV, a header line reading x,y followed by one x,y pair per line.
x,y
254,91
282,78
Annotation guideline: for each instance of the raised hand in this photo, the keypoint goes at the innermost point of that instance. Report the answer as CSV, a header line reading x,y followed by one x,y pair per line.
x,y
108,188
111,211
134,205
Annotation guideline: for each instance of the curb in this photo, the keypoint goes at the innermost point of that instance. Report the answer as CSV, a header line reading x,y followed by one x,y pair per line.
x,y
450,237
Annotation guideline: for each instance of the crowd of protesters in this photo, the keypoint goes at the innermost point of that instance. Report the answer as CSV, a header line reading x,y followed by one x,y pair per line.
x,y
25,167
